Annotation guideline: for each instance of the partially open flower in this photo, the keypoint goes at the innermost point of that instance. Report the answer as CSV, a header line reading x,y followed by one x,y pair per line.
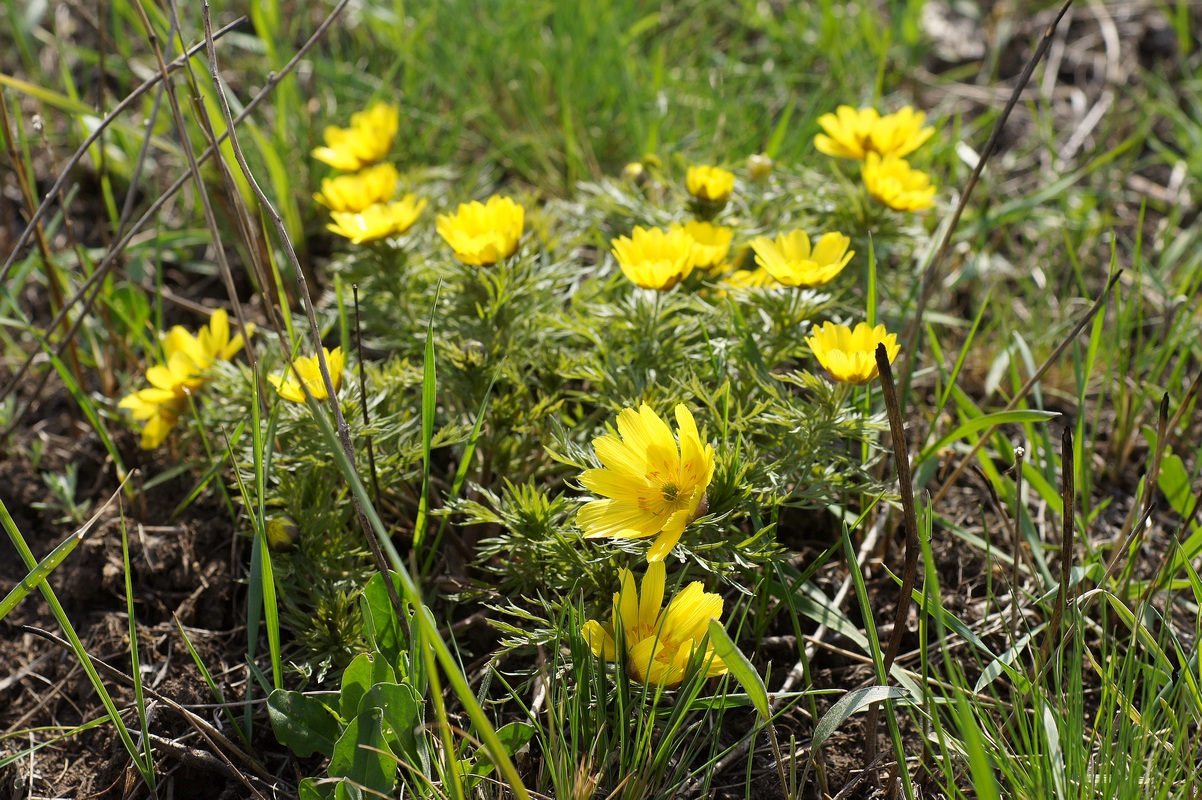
x,y
893,182
711,184
760,166
711,242
651,487
307,370
792,261
850,355
368,139
654,258
854,134
161,405
483,233
378,221
358,192
658,643
211,344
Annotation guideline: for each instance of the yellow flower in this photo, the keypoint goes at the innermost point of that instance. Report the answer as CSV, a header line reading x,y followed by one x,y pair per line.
x,y
212,342
711,184
307,370
892,181
649,486
358,192
160,405
366,141
791,261
850,355
378,221
749,279
659,643
711,242
654,258
483,233
854,134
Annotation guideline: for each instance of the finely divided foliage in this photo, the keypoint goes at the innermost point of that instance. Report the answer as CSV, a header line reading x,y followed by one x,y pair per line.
x,y
537,475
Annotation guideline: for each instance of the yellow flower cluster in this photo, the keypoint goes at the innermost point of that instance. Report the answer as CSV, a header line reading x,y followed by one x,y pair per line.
x,y
881,143
159,406
361,201
363,210
651,484
659,259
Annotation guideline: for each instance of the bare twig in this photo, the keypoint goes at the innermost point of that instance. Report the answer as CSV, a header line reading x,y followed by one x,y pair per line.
x,y
277,222
930,276
109,118
901,460
93,283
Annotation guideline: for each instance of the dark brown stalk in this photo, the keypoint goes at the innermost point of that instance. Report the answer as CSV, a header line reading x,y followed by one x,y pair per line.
x,y
1068,493
371,450
901,460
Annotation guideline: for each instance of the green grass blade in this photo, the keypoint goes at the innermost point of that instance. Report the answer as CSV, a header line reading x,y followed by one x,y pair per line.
x,y
77,647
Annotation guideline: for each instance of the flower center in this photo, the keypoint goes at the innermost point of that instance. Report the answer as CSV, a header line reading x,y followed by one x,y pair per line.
x,y
669,492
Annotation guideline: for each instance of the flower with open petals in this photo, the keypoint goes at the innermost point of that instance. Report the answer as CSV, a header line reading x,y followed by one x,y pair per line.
x,y
378,221
160,405
711,184
792,261
893,182
211,343
307,370
649,485
711,242
850,355
654,258
360,191
483,233
368,139
854,134
658,643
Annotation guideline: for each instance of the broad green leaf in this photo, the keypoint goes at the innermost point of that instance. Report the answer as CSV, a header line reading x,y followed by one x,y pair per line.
x,y
347,790
302,723
361,754
849,704
1174,482
379,619
740,667
403,715
513,736
364,672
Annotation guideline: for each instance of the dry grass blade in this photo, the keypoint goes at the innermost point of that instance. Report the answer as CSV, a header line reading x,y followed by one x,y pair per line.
x,y
202,727
277,222
101,126
929,277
